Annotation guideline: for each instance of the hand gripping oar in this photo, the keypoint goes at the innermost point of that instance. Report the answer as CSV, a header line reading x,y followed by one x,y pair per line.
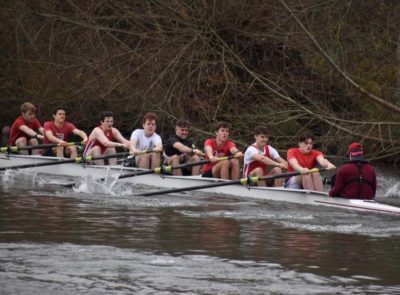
x,y
58,161
13,149
244,181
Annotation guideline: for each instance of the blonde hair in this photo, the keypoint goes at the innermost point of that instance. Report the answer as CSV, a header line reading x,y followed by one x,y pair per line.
x,y
27,106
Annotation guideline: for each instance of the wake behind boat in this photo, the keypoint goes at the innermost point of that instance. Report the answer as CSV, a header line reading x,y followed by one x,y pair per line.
x,y
168,181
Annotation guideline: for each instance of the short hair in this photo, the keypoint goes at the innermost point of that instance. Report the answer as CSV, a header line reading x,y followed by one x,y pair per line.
x,y
261,130
222,124
27,106
105,114
149,116
183,123
306,135
57,109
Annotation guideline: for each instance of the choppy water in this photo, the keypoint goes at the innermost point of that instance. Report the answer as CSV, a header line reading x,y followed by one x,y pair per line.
x,y
101,240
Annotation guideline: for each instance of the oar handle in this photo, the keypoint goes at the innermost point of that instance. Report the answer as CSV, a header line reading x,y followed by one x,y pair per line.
x,y
145,152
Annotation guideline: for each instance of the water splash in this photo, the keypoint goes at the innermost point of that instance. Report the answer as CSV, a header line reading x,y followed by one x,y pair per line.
x,y
393,191
28,177
111,187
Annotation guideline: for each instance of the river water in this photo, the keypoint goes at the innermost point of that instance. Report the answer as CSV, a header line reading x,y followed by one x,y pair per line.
x,y
101,240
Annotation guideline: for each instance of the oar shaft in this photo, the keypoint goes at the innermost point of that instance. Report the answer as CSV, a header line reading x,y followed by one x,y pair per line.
x,y
243,181
192,188
167,168
65,161
32,147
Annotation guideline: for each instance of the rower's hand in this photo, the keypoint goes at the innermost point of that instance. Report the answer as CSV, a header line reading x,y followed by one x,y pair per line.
x,y
283,166
39,136
214,159
158,150
239,154
62,143
125,145
330,166
198,152
84,142
303,170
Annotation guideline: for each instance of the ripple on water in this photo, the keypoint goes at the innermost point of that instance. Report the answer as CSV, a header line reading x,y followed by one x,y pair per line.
x,y
30,268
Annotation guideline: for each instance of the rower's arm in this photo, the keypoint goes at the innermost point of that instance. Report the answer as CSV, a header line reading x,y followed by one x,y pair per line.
x,y
82,134
182,148
123,142
100,136
264,159
234,151
32,133
50,136
283,162
27,130
325,163
132,145
296,166
209,152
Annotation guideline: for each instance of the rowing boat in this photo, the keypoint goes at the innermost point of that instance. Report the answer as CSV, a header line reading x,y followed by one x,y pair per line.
x,y
168,181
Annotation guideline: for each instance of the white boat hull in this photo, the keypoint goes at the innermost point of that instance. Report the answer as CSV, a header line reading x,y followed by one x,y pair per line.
x,y
166,181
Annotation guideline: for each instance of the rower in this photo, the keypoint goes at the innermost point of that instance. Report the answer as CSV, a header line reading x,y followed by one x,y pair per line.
x,y
59,131
261,159
356,179
147,139
26,129
302,159
180,149
221,146
104,140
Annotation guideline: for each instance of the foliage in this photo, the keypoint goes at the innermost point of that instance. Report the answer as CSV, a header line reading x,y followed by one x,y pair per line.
x,y
328,66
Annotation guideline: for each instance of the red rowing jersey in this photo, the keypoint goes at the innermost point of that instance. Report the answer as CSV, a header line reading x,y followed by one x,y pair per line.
x,y
16,133
62,133
218,151
305,160
92,143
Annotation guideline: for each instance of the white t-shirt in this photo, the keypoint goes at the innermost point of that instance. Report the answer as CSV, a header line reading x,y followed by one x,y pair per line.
x,y
252,150
143,142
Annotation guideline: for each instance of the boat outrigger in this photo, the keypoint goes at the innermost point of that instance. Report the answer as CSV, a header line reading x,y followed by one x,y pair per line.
x,y
61,167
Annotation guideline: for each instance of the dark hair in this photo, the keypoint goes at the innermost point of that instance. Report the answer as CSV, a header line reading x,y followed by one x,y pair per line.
x,y
27,106
306,135
261,130
222,124
105,114
57,109
183,123
149,116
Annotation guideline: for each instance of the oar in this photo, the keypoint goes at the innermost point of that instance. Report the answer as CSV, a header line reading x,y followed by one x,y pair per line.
x,y
70,185
159,170
244,181
14,149
168,169
66,161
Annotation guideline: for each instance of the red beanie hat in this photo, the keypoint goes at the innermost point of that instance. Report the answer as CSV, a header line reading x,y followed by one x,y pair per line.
x,y
355,149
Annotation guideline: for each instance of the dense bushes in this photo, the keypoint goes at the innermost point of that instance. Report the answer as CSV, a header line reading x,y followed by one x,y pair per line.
x,y
329,66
